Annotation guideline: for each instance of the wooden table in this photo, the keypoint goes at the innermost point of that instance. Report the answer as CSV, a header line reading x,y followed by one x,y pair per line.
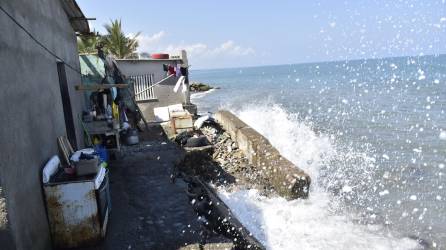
x,y
102,128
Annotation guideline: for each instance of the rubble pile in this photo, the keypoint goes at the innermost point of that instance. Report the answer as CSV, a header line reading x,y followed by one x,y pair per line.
x,y
232,160
220,161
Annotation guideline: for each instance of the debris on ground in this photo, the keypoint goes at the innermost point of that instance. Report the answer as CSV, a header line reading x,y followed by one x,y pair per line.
x,y
223,163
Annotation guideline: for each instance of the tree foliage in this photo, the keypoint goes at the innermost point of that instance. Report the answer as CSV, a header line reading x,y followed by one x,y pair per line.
x,y
115,42
88,44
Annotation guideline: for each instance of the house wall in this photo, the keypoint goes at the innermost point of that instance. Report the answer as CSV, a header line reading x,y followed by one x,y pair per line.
x,y
163,92
31,115
141,67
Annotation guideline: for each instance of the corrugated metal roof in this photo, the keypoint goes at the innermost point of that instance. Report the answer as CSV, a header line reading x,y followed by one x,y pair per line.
x,y
92,68
77,18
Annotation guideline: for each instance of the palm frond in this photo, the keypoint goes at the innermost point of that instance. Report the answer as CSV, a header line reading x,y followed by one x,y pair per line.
x,y
117,43
88,44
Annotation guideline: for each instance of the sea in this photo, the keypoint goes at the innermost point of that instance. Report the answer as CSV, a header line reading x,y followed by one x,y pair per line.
x,y
370,133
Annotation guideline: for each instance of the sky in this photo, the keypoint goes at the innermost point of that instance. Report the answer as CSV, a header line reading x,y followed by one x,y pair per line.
x,y
231,33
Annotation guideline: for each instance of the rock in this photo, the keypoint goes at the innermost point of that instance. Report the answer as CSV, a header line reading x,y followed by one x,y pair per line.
x,y
199,87
228,156
199,141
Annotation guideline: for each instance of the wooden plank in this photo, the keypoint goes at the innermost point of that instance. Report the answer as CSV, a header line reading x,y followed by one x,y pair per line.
x,y
66,104
95,87
135,80
64,151
152,91
146,84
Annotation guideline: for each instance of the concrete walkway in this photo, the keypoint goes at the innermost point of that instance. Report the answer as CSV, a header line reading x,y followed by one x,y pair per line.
x,y
148,210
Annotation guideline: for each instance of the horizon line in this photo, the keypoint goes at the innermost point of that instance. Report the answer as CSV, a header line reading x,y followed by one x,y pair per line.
x,y
315,62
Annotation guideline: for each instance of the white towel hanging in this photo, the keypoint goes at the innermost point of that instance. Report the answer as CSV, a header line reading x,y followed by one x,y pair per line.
x,y
184,86
179,82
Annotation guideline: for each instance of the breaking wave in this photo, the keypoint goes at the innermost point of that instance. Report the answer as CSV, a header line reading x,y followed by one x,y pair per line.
x,y
199,95
340,175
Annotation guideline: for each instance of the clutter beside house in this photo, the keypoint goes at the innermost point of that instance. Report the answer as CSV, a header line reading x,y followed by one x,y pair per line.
x,y
112,115
76,184
121,93
103,105
77,195
40,64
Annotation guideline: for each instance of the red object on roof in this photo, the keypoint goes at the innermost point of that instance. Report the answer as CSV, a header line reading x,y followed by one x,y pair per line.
x,y
160,56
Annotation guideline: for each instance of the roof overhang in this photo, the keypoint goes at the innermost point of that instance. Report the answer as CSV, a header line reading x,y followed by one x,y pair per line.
x,y
76,17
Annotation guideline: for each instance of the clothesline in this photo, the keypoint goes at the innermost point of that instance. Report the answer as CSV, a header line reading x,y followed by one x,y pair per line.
x,y
169,76
153,85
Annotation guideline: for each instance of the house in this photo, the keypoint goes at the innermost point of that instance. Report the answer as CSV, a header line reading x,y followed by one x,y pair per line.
x,y
152,85
39,68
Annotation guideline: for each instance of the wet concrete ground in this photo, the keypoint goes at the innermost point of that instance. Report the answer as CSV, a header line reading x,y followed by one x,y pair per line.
x,y
148,210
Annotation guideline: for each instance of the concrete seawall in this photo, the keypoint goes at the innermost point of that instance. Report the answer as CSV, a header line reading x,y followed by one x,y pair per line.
x,y
287,179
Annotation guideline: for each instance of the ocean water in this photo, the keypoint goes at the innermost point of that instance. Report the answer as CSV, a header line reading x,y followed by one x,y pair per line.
x,y
371,134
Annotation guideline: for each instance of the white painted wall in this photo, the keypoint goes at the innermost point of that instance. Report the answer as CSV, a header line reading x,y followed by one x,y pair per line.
x,y
163,92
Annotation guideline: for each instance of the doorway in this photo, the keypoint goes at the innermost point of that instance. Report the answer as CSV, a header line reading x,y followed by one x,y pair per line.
x,y
67,111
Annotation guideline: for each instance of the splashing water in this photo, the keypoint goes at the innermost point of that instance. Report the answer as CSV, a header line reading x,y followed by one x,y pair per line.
x,y
371,134
316,223
306,224
295,140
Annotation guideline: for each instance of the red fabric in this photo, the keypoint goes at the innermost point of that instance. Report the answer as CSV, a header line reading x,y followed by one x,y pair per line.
x,y
171,70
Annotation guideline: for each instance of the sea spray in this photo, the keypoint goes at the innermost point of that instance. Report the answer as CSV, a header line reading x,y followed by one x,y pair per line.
x,y
198,95
385,129
306,224
295,140
322,221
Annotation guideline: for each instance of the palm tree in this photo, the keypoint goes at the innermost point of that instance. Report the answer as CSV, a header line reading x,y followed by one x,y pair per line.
x,y
117,43
88,44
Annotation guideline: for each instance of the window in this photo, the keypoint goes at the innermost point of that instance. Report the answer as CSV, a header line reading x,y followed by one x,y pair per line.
x,y
142,87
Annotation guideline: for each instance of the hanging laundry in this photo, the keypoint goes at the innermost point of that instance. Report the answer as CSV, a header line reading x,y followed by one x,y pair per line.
x,y
184,85
178,70
183,71
179,83
171,70
166,69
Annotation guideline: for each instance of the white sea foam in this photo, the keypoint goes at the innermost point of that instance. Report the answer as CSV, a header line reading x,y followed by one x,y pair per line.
x,y
318,222
442,135
200,94
306,224
295,140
